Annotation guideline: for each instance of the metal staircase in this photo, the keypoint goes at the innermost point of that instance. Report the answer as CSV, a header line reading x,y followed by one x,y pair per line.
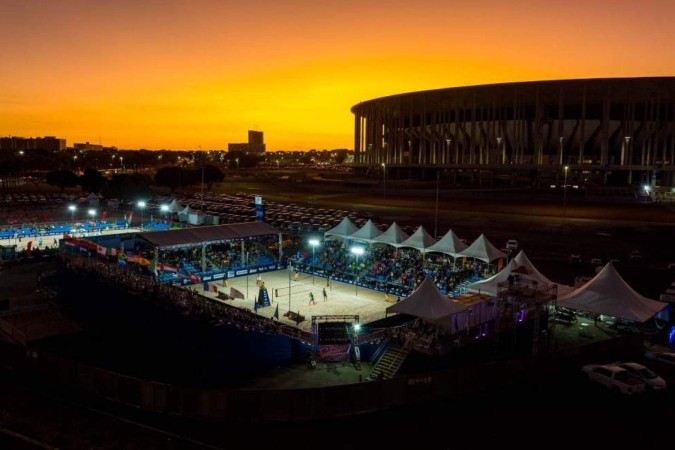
x,y
390,362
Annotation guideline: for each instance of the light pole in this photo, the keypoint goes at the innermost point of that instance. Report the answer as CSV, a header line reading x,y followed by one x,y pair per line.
x,y
384,181
357,251
313,243
438,179
165,210
141,205
72,209
567,168
448,141
561,159
500,148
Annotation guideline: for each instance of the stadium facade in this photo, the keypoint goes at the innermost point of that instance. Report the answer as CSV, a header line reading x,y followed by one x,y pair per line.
x,y
525,131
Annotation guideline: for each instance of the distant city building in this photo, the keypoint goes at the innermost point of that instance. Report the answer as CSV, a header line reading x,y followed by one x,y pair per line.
x,y
49,143
87,146
256,144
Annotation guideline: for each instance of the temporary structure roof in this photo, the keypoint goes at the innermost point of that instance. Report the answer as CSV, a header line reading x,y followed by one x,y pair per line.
x,y
174,206
521,266
190,237
420,239
187,210
608,294
367,233
427,303
483,249
449,244
394,235
342,230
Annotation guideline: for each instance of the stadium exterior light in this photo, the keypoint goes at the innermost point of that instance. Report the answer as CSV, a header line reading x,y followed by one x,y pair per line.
x,y
72,209
92,213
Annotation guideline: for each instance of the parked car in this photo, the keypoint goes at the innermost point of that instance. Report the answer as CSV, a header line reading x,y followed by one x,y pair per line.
x,y
666,358
642,373
512,244
614,378
635,257
575,258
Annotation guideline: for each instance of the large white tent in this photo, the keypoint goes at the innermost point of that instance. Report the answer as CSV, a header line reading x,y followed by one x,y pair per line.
x,y
608,294
367,233
394,235
185,213
174,206
483,249
427,303
420,240
341,230
520,266
449,244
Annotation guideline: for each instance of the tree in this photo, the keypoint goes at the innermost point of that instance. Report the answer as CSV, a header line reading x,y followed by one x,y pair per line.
x,y
92,180
212,174
170,177
62,179
128,186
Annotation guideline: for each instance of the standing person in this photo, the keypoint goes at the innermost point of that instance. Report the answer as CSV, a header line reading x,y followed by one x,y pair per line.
x,y
311,298
325,295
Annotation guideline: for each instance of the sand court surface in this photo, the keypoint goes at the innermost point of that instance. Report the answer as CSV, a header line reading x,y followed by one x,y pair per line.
x,y
342,298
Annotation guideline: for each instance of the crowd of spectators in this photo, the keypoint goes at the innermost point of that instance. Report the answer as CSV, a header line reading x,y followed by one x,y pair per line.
x,y
391,269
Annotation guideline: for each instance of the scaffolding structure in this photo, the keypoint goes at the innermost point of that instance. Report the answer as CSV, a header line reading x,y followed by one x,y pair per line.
x,y
520,300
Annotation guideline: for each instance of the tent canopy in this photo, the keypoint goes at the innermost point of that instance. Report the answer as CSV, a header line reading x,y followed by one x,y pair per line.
x,y
187,210
521,266
394,235
483,249
342,230
608,294
420,240
367,233
449,244
174,206
427,303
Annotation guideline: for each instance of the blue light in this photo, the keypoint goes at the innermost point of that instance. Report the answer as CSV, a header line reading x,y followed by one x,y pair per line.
x,y
671,335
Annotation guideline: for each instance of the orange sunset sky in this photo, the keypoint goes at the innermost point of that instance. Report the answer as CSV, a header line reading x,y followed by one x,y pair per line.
x,y
179,74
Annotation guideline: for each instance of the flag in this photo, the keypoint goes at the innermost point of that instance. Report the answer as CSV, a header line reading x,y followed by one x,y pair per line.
x,y
153,267
165,268
213,288
194,278
143,262
276,313
234,293
29,246
101,250
112,251
104,216
131,215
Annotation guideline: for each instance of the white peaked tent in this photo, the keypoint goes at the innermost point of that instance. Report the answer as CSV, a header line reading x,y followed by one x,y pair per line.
x,y
367,233
185,213
608,294
174,206
521,266
483,249
427,303
342,230
420,240
449,244
394,235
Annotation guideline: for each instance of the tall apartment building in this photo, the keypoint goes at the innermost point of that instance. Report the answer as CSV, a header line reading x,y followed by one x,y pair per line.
x,y
255,144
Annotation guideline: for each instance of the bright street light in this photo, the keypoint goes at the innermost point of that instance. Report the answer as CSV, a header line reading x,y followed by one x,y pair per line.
x,y
313,243
384,181
72,209
142,205
92,213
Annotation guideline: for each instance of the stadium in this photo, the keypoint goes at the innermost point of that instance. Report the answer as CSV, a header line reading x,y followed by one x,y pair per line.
x,y
605,131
